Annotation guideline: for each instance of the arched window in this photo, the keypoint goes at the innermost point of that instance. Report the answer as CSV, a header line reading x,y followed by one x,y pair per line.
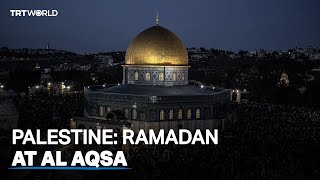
x,y
126,113
171,114
207,113
198,113
134,114
129,76
174,76
180,114
147,76
108,109
101,111
161,115
189,113
142,116
136,76
94,112
161,76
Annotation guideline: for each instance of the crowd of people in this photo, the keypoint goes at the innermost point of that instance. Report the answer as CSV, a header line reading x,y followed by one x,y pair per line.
x,y
46,112
49,111
265,142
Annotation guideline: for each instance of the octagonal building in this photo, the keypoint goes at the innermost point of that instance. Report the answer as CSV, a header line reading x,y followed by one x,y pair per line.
x,y
155,92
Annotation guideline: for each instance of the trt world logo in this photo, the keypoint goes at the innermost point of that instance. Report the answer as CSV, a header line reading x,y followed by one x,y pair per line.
x,y
33,13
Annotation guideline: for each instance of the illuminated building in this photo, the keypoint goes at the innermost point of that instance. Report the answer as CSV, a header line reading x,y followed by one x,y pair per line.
x,y
51,88
284,79
155,92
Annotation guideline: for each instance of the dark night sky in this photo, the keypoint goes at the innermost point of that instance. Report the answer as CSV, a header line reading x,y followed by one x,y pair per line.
x,y
105,25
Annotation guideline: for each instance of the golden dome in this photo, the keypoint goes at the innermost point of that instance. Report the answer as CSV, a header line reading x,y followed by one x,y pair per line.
x,y
156,46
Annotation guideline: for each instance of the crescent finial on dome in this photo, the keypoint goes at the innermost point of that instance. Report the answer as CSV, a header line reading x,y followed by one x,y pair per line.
x,y
157,18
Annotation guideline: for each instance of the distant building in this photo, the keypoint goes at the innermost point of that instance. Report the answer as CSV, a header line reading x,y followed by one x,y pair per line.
x,y
284,79
51,88
106,59
45,77
4,74
37,67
